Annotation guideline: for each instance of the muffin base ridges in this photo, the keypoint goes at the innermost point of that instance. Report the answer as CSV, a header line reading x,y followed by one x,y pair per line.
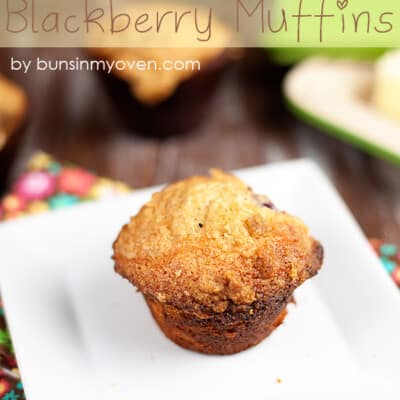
x,y
224,333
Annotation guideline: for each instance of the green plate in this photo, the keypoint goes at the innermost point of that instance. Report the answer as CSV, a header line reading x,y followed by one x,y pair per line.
x,y
292,55
372,132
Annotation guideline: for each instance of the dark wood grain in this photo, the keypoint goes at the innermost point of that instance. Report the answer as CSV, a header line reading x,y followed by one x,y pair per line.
x,y
72,118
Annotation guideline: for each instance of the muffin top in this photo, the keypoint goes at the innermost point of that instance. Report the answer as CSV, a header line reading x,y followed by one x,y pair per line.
x,y
12,107
209,241
154,85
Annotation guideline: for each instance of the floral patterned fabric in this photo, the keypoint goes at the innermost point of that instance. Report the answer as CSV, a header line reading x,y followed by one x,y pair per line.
x,y
47,185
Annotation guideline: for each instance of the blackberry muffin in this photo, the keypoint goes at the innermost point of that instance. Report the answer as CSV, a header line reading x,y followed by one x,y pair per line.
x,y
162,101
12,114
216,263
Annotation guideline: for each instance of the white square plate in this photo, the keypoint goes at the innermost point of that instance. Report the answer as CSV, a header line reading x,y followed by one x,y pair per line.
x,y
81,332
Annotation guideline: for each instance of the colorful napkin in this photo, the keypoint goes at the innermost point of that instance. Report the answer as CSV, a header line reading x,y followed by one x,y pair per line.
x,y
48,184
389,255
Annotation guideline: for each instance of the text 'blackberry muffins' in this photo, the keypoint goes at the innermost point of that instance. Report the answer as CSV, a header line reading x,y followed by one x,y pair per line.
x,y
216,263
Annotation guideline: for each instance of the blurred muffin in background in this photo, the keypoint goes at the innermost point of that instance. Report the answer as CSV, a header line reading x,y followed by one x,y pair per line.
x,y
13,106
162,100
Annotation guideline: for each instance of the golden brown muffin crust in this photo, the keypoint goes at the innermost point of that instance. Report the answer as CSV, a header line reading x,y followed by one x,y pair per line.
x,y
208,242
151,86
12,108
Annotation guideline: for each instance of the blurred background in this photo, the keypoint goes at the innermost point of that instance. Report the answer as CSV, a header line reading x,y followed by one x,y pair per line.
x,y
244,121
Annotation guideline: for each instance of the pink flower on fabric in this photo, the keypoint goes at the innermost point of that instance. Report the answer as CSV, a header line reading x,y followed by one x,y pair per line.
x,y
75,181
35,185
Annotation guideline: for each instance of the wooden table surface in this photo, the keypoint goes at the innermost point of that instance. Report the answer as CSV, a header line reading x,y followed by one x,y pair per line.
x,y
72,118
